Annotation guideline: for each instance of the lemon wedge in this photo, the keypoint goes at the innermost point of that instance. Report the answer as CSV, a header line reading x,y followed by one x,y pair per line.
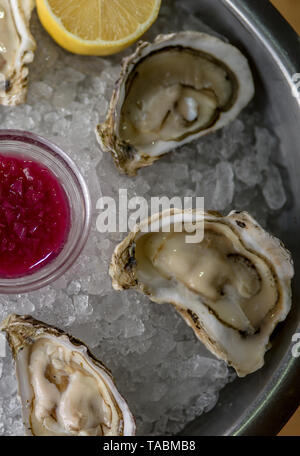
x,y
97,27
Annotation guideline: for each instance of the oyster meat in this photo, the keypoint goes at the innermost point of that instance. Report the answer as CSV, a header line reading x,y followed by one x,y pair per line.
x,y
232,285
64,390
170,92
16,50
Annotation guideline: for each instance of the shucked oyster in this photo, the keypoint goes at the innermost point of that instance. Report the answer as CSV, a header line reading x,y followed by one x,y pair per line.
x,y
171,92
16,49
232,288
64,390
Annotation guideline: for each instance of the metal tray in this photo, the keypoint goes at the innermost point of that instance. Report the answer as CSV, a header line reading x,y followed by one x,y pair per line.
x,y
261,403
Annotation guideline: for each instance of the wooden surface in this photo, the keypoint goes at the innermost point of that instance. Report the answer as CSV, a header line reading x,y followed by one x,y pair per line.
x,y
290,9
293,426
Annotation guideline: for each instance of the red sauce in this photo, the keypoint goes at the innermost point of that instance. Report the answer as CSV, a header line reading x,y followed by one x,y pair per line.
x,y
34,217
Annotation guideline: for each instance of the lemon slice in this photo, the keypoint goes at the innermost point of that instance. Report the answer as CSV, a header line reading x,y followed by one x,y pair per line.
x,y
97,27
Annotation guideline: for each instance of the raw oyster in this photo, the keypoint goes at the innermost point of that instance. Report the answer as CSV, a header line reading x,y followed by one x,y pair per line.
x,y
170,92
16,50
64,390
232,288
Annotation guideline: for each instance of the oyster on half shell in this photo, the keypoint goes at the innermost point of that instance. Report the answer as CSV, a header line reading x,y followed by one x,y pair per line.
x,y
170,92
64,390
16,50
232,287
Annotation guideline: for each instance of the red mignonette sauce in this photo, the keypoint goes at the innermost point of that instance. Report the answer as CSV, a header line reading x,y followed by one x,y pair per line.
x,y
34,216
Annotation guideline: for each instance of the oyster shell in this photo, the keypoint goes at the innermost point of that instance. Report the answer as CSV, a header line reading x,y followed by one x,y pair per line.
x,y
232,288
64,390
16,50
170,92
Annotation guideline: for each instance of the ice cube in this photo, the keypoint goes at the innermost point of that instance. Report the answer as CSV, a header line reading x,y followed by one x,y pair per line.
x,y
273,189
247,170
224,190
2,345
